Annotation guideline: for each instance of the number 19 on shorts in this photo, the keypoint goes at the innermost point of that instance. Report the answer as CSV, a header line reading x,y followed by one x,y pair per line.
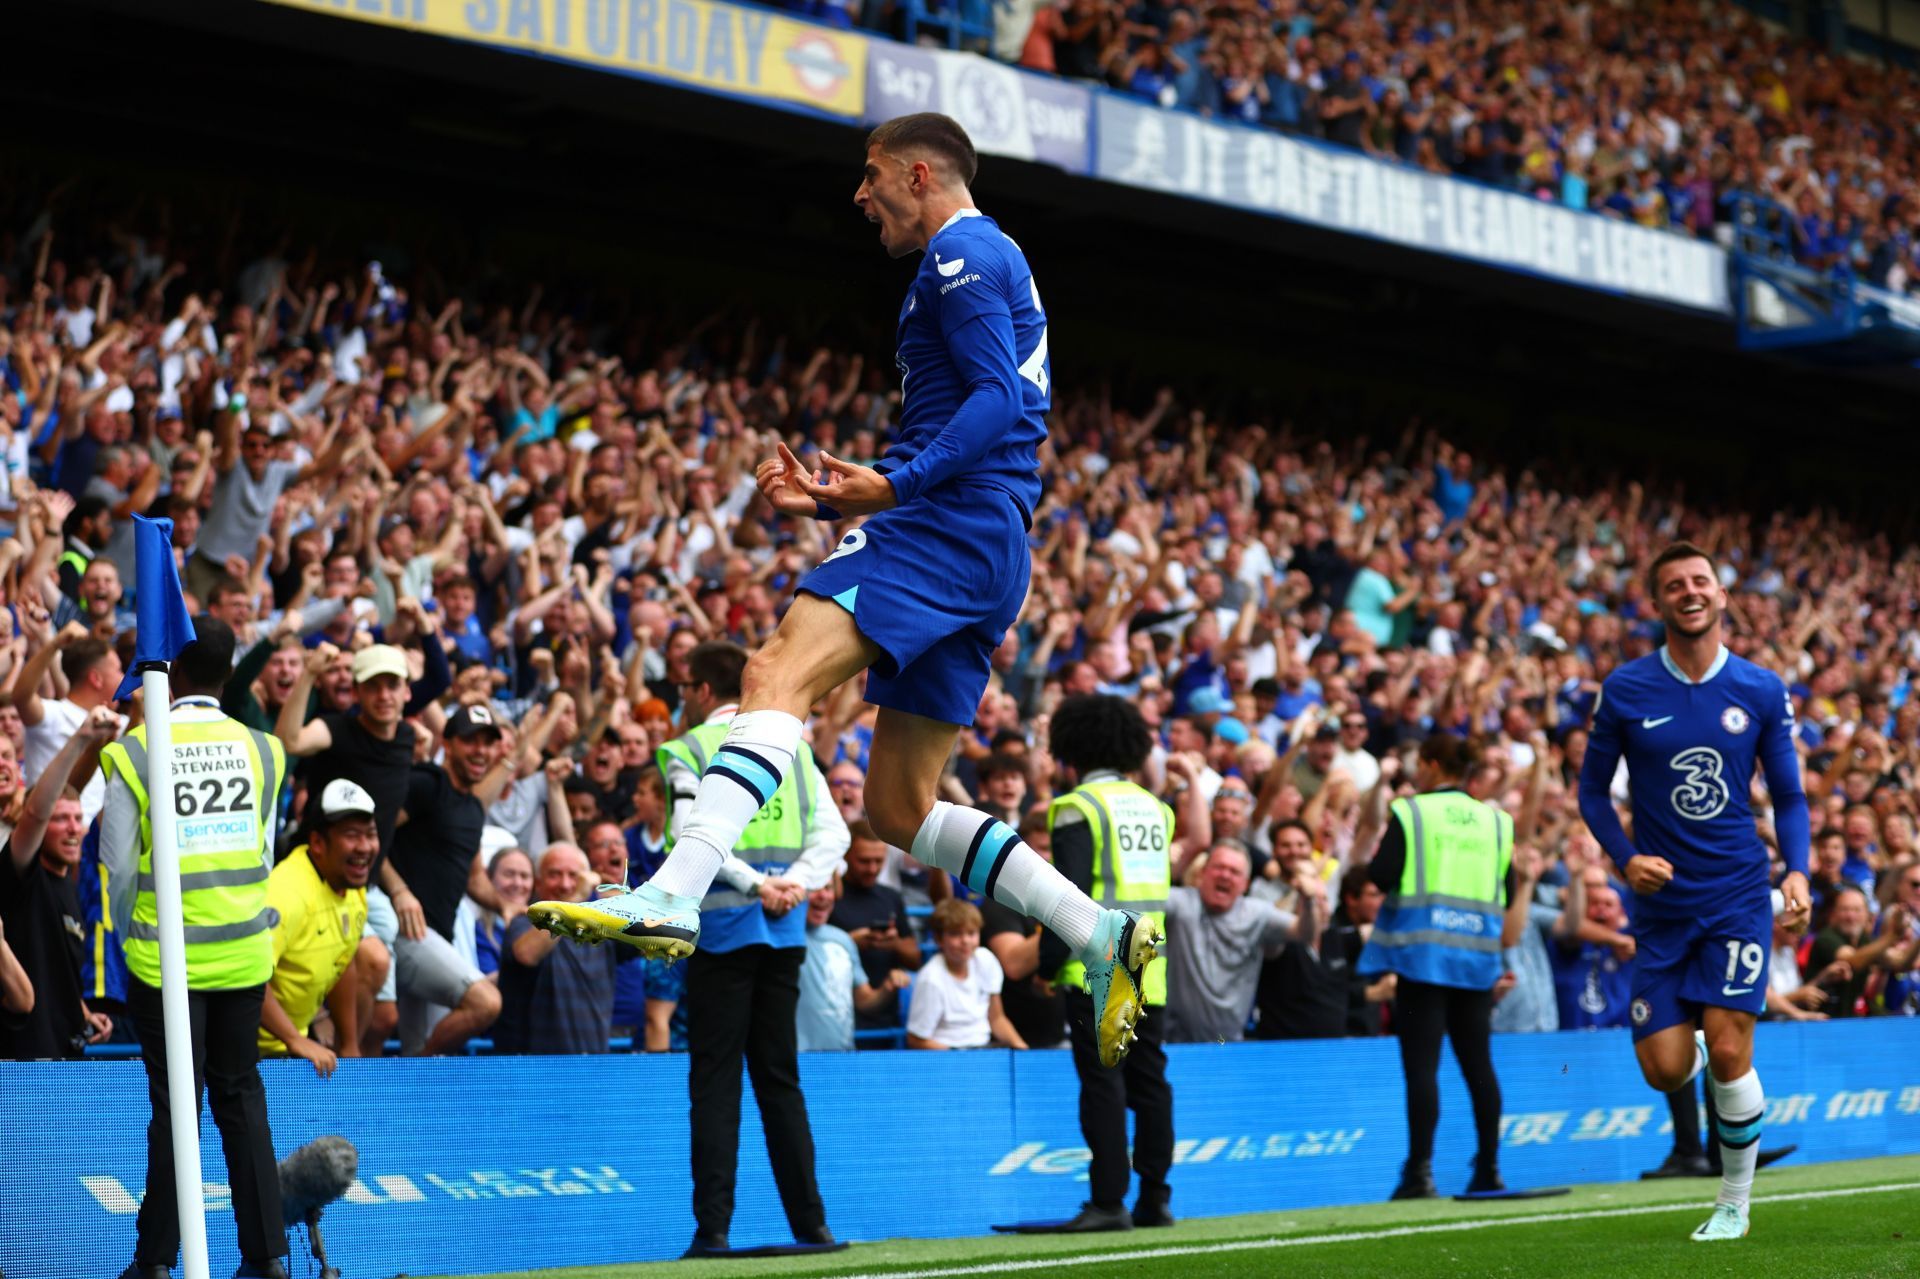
x,y
1748,957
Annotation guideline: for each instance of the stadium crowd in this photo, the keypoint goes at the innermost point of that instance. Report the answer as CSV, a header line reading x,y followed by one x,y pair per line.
x,y
471,552
1661,113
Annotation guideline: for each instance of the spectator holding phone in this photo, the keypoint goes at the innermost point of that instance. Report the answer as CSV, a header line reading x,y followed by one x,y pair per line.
x,y
875,917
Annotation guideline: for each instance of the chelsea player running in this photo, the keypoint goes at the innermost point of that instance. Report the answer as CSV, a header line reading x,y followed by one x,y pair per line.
x,y
919,595
1691,719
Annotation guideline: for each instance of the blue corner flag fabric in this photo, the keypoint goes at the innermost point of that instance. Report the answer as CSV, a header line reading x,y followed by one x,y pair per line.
x,y
160,607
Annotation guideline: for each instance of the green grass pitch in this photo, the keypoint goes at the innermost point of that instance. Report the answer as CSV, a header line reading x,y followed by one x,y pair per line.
x,y
1821,1221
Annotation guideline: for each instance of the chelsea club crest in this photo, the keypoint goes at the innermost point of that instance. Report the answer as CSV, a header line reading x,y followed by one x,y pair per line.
x,y
1734,720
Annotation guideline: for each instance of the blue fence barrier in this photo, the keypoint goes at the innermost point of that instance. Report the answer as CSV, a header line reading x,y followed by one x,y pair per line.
x,y
464,1167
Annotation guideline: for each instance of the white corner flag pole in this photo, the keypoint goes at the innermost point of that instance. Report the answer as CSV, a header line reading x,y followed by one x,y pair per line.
x,y
183,1097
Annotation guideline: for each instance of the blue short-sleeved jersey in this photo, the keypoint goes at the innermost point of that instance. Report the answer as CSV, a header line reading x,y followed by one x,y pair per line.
x,y
1593,986
1691,751
975,377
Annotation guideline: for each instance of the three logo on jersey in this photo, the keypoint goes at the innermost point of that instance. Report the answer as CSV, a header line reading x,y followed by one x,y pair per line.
x,y
1703,792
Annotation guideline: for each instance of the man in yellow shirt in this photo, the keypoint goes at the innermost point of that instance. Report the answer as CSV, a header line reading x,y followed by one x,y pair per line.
x,y
321,893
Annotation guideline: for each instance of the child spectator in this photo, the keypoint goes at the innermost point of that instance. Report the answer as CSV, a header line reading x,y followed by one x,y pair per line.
x,y
956,1002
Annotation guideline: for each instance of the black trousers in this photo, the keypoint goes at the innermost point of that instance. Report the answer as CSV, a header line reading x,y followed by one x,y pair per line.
x,y
1423,1014
226,1067
740,1003
1138,1083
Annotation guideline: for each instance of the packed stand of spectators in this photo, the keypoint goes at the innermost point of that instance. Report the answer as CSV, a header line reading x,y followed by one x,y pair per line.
x,y
467,548
1663,114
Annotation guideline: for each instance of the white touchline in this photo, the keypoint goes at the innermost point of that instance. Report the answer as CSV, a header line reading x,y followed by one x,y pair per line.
x,y
1357,1236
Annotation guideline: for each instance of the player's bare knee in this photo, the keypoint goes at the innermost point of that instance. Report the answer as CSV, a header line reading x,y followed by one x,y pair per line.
x,y
1662,1076
761,674
896,819
770,682
1667,1071
1729,1054
1665,1080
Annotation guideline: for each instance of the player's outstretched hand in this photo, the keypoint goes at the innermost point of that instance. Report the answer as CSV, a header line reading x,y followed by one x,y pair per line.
x,y
780,479
849,489
1796,903
1648,874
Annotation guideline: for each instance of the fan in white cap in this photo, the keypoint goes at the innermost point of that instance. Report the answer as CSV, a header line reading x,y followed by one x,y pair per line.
x,y
343,798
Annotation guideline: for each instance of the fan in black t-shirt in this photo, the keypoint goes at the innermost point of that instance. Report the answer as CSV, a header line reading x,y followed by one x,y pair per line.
x,y
379,766
434,849
437,849
373,749
44,927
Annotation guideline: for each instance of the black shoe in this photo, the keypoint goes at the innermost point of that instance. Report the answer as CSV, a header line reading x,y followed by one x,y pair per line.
x,y
1773,1156
1416,1182
818,1236
1150,1210
155,1271
707,1244
1486,1180
1679,1165
268,1269
1092,1219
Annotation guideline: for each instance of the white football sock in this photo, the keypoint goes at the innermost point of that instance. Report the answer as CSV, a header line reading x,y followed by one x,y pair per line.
x,y
991,859
1742,1105
741,777
1699,1058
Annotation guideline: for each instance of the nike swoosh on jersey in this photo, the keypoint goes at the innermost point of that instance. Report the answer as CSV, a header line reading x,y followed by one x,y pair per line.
x,y
952,268
1655,723
1736,990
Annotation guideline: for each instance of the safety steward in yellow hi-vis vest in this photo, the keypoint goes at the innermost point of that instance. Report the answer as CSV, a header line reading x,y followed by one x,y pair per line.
x,y
1113,839
743,984
225,798
1446,866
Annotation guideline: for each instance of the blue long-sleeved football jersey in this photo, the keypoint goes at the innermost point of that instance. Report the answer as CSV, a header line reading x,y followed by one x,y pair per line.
x,y
1690,751
976,378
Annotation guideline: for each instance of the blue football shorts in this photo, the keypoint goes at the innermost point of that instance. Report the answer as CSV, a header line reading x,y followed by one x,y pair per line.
x,y
1683,964
935,584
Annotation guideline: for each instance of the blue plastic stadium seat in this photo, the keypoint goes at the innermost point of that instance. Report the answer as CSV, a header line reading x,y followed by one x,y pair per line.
x,y
967,24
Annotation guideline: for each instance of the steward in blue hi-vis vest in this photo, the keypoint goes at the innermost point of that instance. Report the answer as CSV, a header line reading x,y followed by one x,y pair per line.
x,y
1441,925
772,842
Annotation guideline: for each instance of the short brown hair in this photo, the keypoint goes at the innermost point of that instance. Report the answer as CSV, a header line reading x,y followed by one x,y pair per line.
x,y
999,763
955,915
931,132
224,585
718,665
82,656
1676,551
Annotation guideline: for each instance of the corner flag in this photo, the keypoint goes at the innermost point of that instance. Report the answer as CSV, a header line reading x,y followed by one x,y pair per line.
x,y
165,627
